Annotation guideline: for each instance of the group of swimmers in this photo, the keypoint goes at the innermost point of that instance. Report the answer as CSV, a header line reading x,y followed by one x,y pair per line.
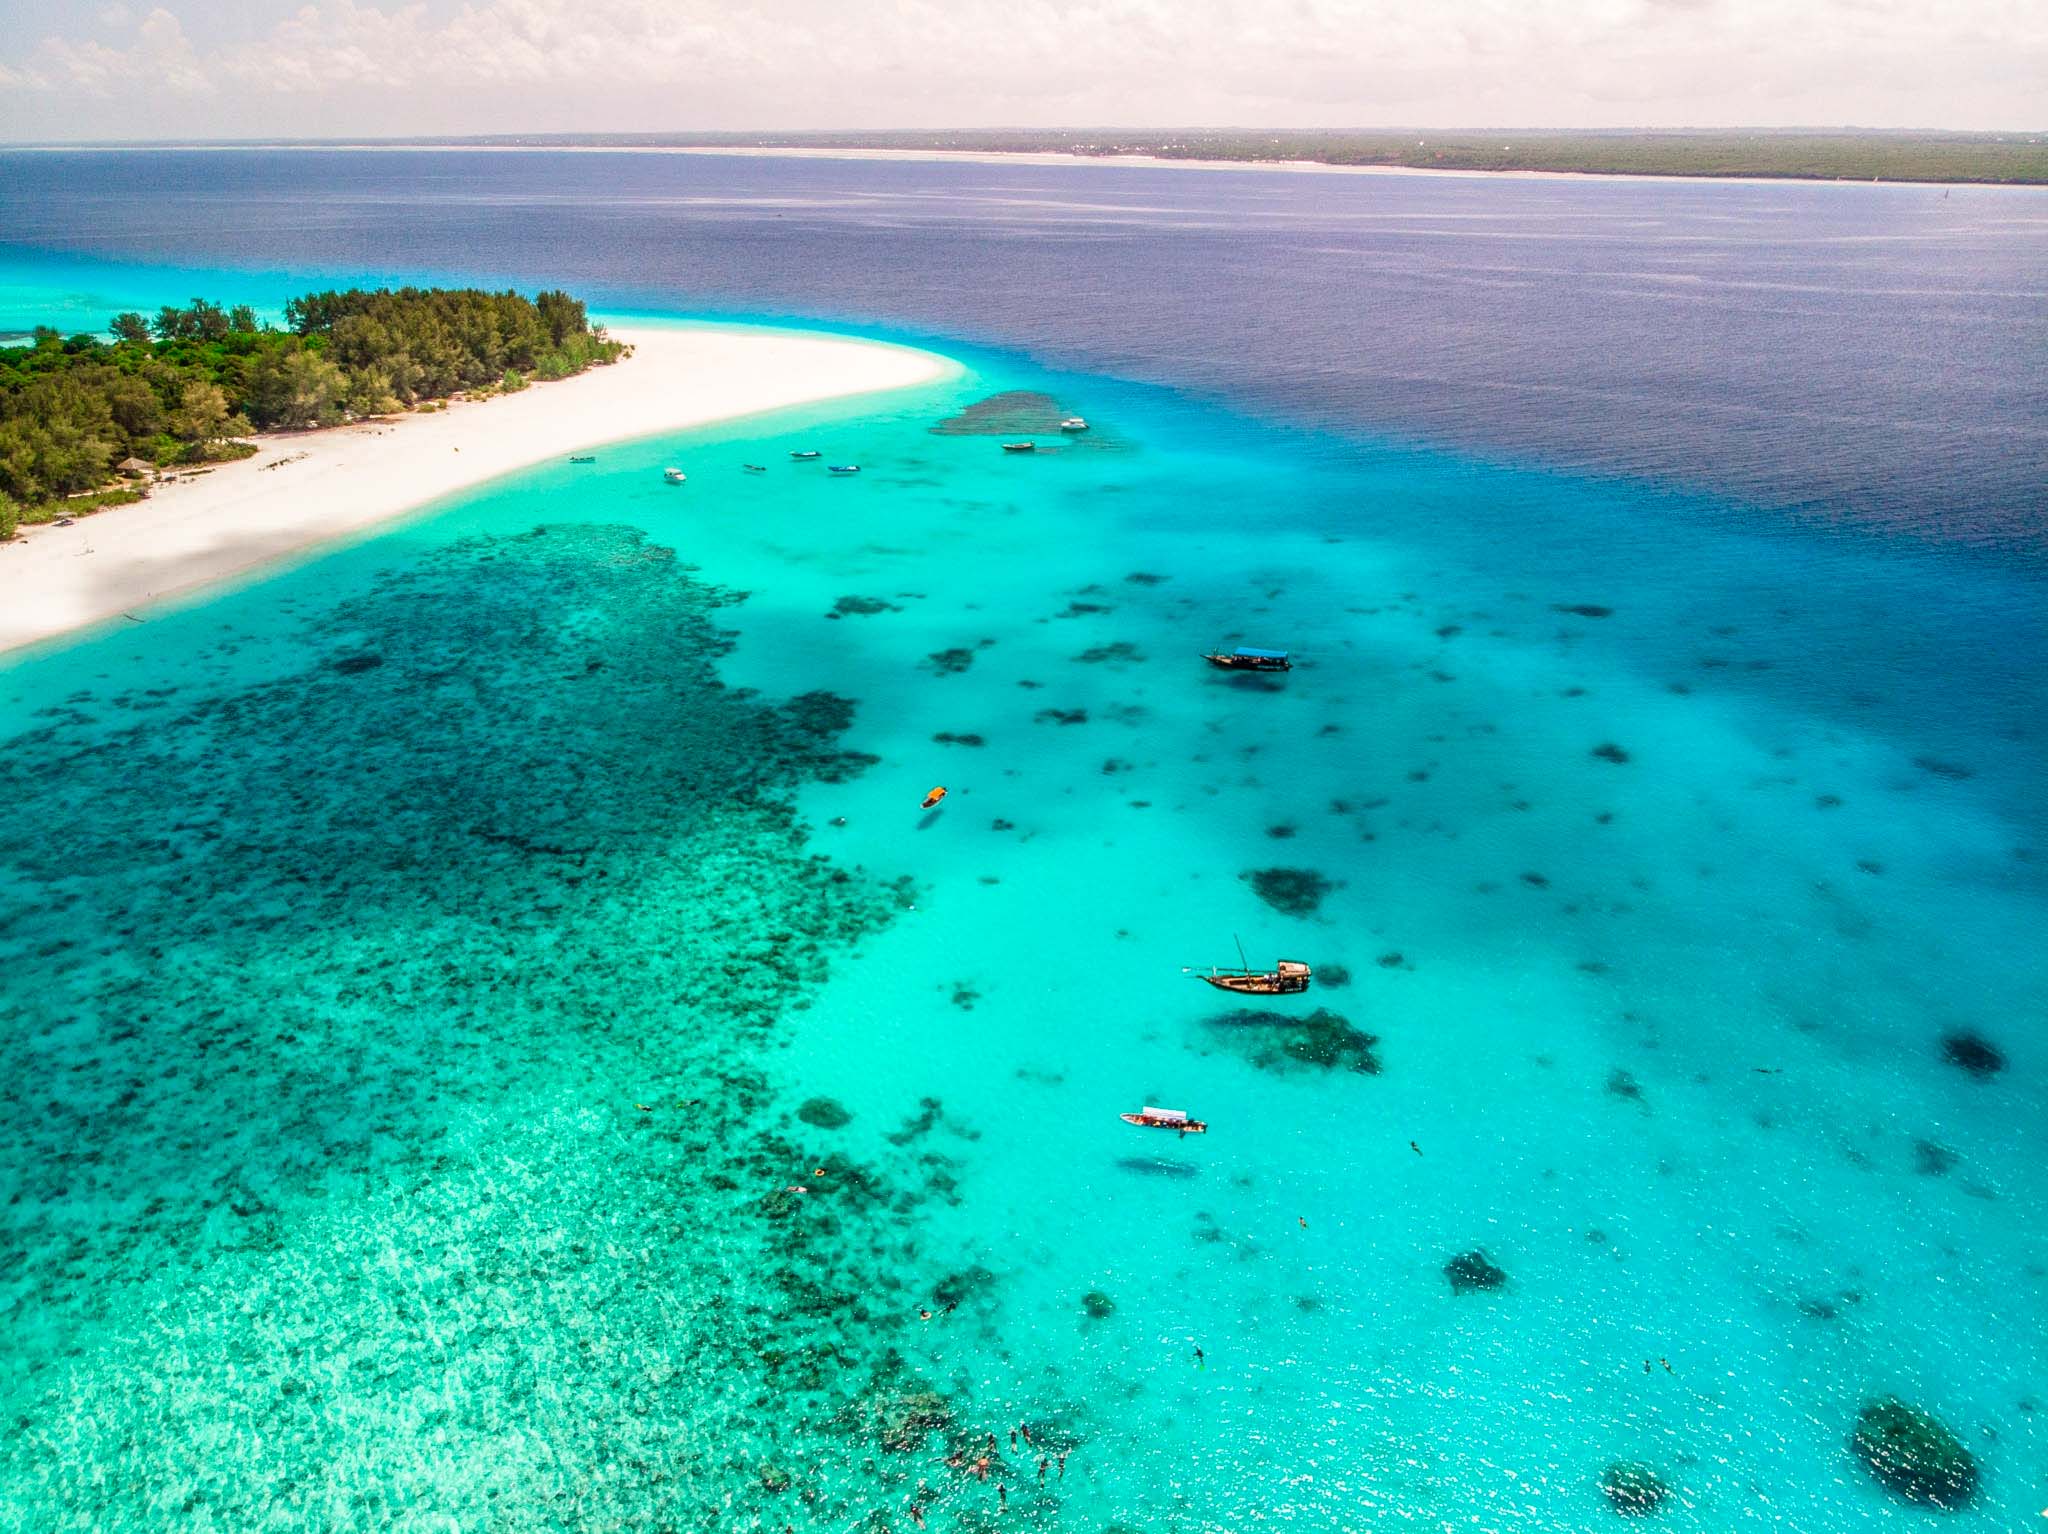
x,y
981,1463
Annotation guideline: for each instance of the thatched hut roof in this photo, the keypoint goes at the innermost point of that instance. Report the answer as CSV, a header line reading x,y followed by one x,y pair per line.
x,y
134,466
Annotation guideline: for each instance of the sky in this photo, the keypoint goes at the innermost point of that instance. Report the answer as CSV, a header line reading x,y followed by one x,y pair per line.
x,y
114,69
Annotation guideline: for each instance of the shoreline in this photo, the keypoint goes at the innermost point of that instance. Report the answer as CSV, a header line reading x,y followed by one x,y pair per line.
x,y
307,488
1052,157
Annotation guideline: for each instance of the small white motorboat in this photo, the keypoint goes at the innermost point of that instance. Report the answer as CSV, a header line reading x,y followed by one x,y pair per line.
x,y
842,468
674,476
1073,423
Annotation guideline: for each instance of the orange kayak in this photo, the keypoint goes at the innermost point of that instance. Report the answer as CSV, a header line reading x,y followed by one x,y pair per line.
x,y
932,798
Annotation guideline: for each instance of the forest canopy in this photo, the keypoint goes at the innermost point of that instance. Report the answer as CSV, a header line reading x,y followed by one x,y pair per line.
x,y
180,386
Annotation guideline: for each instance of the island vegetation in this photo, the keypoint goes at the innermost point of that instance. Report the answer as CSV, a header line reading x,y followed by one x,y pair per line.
x,y
1806,154
81,414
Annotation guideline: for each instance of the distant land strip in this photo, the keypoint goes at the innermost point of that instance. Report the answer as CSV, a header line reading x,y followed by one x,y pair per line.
x,y
1816,154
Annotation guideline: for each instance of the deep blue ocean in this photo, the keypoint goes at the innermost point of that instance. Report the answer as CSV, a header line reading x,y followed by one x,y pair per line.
x,y
429,970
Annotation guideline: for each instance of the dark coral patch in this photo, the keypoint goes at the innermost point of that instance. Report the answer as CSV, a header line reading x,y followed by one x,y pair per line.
x,y
861,607
1631,1489
1061,716
1121,652
824,1113
355,665
1914,1455
1280,1041
1291,891
1099,1306
1473,1272
1974,1054
1935,767
1583,609
952,661
1609,752
949,738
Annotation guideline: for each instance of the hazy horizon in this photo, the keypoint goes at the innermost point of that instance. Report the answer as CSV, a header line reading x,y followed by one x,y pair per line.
x,y
279,69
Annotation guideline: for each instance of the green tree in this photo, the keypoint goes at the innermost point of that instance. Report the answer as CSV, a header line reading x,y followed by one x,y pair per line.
x,y
294,386
10,516
130,329
242,320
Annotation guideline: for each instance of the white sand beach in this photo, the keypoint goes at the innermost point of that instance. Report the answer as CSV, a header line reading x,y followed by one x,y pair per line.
x,y
304,488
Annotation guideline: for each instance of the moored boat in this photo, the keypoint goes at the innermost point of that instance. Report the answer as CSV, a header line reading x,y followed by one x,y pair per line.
x,y
583,458
1165,1118
804,455
674,476
755,468
1073,423
933,797
1020,447
1289,977
1244,658
842,468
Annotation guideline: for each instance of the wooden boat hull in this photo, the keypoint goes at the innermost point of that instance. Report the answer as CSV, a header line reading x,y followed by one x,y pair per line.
x,y
1247,663
1184,1126
1258,985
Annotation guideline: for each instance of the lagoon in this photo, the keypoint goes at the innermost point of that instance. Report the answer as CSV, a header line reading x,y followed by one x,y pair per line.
x,y
432,969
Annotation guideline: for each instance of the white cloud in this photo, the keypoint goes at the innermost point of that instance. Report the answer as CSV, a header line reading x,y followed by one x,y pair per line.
x,y
504,65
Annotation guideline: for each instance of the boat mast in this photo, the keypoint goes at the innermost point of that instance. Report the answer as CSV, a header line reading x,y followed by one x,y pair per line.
x,y
1241,959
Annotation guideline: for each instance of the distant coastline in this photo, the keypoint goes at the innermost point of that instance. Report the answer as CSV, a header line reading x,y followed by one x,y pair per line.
x,y
305,488
1947,159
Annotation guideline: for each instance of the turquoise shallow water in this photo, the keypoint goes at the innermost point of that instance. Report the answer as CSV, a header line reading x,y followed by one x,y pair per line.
x,y
418,960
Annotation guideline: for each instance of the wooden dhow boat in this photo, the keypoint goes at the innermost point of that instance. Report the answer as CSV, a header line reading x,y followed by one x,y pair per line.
x,y
1285,979
1165,1118
1245,658
805,455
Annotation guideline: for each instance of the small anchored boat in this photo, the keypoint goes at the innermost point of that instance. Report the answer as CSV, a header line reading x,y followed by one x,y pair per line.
x,y
1073,423
1289,977
1165,1118
755,468
1244,658
806,455
583,458
842,468
1020,447
933,797
674,476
